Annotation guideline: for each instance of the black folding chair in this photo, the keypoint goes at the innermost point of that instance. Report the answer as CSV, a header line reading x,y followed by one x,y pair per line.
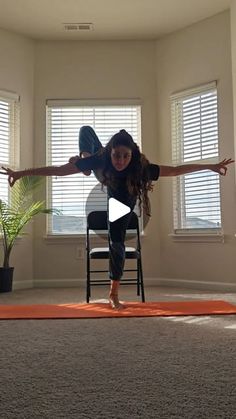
x,y
97,221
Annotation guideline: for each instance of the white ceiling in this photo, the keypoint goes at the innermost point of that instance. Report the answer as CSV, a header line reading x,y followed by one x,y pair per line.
x,y
111,19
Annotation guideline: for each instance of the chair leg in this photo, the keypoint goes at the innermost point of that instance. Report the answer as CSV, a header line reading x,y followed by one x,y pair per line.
x,y
88,292
141,280
138,278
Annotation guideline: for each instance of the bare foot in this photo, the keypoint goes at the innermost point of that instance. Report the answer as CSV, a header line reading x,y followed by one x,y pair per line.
x,y
74,159
115,303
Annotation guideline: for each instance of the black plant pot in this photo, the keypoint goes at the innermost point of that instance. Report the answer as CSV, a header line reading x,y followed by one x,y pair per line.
x,y
6,278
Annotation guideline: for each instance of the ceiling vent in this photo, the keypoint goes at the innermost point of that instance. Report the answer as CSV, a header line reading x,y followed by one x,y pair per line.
x,y
78,26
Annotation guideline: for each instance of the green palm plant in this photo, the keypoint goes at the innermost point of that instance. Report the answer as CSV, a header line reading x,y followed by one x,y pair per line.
x,y
19,212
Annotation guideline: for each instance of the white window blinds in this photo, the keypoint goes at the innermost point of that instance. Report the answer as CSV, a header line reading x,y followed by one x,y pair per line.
x,y
194,117
9,137
77,194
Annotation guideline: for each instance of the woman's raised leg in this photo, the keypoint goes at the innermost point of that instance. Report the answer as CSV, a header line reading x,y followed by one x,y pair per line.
x,y
89,144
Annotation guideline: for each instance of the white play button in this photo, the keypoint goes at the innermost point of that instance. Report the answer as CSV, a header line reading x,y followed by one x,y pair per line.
x,y
117,209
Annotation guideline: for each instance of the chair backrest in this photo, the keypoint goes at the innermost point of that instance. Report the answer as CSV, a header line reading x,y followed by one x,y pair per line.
x,y
97,220
133,222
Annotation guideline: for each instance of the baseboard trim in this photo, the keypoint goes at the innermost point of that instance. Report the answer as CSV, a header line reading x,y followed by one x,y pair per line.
x,y
149,282
59,283
22,285
200,285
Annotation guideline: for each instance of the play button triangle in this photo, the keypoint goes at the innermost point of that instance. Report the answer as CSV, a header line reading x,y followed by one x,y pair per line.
x,y
117,209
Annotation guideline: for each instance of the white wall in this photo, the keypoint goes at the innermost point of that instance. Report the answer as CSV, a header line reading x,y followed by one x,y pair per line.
x,y
17,75
187,58
93,70
233,55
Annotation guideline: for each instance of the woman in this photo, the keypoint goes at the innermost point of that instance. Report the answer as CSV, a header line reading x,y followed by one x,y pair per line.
x,y
128,176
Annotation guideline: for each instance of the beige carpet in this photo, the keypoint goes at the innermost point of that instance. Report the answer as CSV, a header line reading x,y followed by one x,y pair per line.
x,y
132,368
127,369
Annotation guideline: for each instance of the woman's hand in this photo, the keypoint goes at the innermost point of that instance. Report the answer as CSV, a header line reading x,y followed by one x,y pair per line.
x,y
12,175
221,167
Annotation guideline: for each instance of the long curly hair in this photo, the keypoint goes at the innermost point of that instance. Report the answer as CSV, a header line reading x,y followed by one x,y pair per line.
x,y
137,181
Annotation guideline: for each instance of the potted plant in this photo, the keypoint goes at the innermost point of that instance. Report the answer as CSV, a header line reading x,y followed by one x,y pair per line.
x,y
14,217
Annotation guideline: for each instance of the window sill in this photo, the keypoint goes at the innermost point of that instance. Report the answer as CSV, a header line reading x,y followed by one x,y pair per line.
x,y
64,238
71,238
198,237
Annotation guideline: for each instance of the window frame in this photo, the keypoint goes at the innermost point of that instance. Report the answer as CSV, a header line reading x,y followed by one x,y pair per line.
x,y
12,99
180,233
54,236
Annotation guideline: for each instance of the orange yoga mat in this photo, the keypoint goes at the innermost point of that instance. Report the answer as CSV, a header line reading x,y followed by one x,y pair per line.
x,y
102,310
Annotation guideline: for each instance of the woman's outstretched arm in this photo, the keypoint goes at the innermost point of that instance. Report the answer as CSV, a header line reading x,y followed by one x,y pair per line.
x,y
64,170
220,168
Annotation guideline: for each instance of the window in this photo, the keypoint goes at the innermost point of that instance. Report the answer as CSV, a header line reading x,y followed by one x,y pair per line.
x,y
9,137
76,195
195,140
